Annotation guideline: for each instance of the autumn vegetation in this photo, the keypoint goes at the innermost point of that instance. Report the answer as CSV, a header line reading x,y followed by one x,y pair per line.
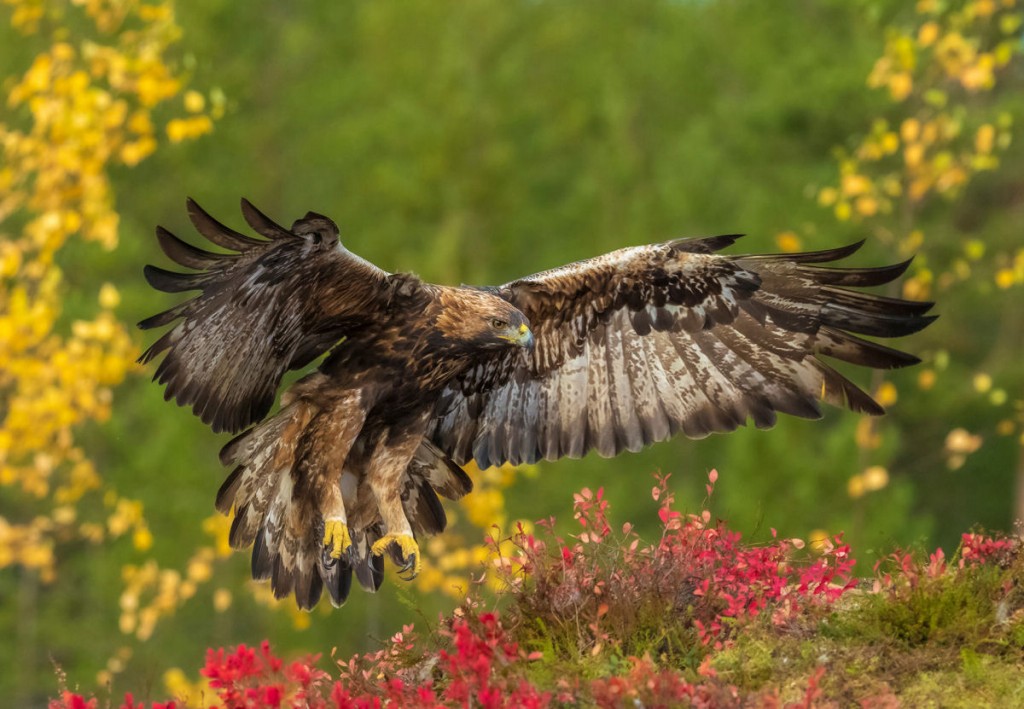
x,y
897,125
696,618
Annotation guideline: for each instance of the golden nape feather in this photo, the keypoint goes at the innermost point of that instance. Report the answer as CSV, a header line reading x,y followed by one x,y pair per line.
x,y
608,354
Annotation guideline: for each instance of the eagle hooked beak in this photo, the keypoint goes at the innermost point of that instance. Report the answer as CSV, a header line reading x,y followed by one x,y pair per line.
x,y
524,338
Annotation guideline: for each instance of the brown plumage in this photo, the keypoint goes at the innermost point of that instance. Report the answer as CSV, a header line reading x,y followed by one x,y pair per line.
x,y
608,354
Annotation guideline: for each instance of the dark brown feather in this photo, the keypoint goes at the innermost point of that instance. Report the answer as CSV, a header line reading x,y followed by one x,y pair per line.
x,y
218,233
262,224
188,255
173,282
337,577
855,277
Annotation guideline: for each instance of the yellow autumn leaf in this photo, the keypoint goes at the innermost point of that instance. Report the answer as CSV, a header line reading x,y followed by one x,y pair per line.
x,y
984,139
928,33
827,196
194,101
109,298
855,184
1005,278
910,129
900,86
982,382
788,242
819,539
855,487
913,153
926,379
875,477
866,206
221,600
886,394
142,539
890,142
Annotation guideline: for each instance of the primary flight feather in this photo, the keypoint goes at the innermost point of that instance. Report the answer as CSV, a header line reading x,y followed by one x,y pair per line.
x,y
608,354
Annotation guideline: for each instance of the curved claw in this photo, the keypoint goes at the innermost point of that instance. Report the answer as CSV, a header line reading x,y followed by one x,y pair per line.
x,y
411,567
336,537
410,553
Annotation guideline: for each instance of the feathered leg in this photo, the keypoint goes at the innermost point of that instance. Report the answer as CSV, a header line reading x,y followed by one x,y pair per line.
x,y
287,494
385,473
323,448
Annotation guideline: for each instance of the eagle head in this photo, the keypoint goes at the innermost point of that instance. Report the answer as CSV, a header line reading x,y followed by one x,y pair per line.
x,y
481,321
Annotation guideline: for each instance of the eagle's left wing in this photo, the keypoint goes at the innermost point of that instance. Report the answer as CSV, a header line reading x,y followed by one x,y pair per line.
x,y
637,345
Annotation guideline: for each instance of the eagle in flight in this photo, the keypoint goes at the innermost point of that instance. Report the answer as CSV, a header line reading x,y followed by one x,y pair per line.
x,y
609,354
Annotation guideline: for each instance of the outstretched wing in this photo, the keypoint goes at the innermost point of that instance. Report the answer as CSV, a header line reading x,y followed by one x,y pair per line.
x,y
270,305
637,345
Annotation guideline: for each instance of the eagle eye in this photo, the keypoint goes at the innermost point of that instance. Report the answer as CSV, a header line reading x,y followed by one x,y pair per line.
x,y
499,324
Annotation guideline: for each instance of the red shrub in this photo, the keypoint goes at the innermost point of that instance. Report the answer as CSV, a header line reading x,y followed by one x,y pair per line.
x,y
980,548
698,574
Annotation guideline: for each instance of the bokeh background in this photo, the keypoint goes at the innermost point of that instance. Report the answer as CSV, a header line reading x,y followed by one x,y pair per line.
x,y
477,142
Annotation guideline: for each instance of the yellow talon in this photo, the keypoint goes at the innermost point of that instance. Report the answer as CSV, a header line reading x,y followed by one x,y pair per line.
x,y
337,537
410,550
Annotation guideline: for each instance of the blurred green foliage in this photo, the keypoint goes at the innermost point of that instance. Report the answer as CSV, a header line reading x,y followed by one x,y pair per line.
x,y
480,141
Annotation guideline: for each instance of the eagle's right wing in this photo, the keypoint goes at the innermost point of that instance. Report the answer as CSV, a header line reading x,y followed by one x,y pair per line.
x,y
273,305
645,342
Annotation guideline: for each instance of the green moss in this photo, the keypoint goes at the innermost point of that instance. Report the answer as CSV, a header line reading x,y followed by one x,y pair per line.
x,y
988,682
1016,635
751,662
952,610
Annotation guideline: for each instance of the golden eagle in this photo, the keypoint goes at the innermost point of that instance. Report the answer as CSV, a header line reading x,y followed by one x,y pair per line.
x,y
608,354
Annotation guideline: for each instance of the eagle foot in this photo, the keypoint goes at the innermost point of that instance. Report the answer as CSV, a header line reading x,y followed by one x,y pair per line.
x,y
410,553
336,537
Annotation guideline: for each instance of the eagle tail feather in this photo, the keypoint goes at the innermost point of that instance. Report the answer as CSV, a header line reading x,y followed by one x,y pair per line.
x,y
284,529
288,549
262,563
336,575
368,568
